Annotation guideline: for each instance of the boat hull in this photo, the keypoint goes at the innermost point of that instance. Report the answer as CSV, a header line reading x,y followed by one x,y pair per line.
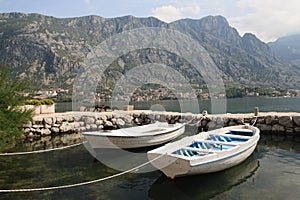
x,y
128,142
173,166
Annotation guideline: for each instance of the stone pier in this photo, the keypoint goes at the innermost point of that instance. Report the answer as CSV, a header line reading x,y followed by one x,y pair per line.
x,y
76,122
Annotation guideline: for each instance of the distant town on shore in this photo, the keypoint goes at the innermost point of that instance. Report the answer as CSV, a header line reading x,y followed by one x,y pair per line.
x,y
159,93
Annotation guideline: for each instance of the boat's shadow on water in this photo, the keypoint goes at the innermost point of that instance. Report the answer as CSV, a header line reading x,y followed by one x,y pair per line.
x,y
204,186
123,159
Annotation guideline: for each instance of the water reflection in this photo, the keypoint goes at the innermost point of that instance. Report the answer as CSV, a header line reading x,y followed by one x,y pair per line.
x,y
204,186
46,142
272,172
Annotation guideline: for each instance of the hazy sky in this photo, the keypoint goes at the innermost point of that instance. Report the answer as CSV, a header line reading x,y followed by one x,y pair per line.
x,y
267,19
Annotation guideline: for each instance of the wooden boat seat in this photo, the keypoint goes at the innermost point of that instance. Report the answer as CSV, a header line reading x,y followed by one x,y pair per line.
x,y
189,153
215,142
232,136
223,138
210,146
243,132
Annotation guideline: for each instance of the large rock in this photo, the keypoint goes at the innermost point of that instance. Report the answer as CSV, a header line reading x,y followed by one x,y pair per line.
x,y
90,120
65,128
114,120
45,132
226,120
296,120
217,120
37,120
48,120
47,126
100,127
77,118
286,121
278,128
69,118
261,120
103,117
128,119
53,120
108,124
269,119
88,127
76,124
264,127
289,130
37,126
138,121
59,120
120,122
82,129
232,123
93,127
81,123
55,130
297,129
99,122
213,125
240,121
136,115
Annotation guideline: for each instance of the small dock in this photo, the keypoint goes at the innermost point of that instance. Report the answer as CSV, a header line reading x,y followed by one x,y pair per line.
x,y
75,122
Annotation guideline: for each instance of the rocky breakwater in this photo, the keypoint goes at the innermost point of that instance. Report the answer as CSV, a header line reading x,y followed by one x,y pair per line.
x,y
288,125
76,122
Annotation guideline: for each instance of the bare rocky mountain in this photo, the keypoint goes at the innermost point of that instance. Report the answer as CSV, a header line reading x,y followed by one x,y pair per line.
x,y
288,48
49,51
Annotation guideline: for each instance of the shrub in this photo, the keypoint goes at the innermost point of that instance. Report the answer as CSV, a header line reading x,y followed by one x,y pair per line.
x,y
47,102
36,102
33,102
11,116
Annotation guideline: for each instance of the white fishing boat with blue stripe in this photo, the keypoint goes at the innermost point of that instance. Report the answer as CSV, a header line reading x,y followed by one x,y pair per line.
x,y
206,152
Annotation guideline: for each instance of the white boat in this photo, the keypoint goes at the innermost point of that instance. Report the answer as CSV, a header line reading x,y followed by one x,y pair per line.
x,y
135,137
206,152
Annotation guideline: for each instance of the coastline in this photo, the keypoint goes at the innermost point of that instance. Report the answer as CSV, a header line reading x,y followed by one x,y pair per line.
x,y
286,123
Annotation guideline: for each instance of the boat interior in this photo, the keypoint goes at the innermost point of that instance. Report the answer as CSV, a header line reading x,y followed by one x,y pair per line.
x,y
215,143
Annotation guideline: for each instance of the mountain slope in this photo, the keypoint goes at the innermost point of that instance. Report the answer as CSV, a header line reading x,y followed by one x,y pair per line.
x,y
245,60
288,48
49,50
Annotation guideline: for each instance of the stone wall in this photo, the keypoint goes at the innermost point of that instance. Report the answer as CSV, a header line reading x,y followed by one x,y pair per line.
x,y
75,122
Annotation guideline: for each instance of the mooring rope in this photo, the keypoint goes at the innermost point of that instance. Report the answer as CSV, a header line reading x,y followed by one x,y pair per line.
x,y
197,122
79,184
41,151
254,121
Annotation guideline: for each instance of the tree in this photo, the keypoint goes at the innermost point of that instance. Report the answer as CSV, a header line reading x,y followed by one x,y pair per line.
x,y
12,116
235,92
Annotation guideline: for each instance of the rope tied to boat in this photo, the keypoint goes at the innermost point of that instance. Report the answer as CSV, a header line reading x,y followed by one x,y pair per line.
x,y
41,151
79,184
254,121
196,123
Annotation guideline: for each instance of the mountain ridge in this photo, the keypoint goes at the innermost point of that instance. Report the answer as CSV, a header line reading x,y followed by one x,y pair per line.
x,y
288,48
49,50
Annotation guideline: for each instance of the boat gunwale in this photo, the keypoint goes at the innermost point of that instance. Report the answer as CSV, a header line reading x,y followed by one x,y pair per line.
x,y
232,136
226,156
249,143
217,142
165,131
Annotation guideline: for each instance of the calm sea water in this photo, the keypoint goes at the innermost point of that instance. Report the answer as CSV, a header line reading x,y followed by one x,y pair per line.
x,y
238,105
271,172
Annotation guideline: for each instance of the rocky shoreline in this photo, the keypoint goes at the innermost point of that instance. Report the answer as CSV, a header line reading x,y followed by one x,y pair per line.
x,y
76,122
